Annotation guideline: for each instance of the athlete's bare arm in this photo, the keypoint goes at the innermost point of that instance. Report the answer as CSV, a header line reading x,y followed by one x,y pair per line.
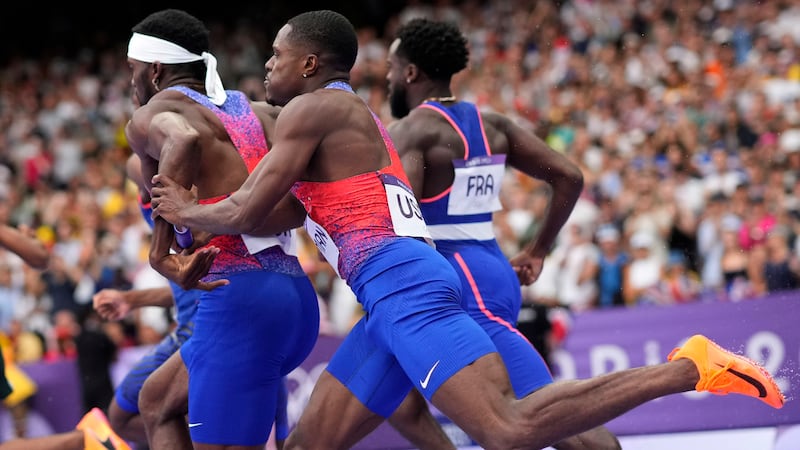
x,y
298,133
166,142
114,304
529,154
26,245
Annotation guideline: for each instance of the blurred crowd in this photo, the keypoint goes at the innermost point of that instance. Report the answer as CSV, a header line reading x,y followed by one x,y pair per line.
x,y
684,117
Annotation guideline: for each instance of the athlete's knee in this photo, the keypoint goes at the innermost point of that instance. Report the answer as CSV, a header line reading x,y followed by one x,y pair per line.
x,y
151,398
412,410
502,437
498,430
145,402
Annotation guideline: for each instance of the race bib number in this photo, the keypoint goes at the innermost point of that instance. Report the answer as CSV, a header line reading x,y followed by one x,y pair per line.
x,y
406,214
476,186
324,243
286,240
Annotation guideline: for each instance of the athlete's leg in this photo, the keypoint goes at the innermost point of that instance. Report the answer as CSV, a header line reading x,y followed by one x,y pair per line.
x,y
128,425
472,400
468,382
528,372
491,296
339,420
252,333
123,412
163,404
364,384
480,400
414,421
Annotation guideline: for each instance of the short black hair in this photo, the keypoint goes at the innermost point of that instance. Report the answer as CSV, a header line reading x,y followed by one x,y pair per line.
x,y
176,26
437,48
328,33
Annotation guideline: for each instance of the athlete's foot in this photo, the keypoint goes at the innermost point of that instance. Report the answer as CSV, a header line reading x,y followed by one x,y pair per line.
x,y
722,372
97,433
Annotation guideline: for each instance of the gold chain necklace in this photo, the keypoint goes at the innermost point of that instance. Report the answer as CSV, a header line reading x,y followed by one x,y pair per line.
x,y
452,98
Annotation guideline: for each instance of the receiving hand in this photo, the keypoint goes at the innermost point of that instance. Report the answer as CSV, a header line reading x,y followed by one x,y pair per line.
x,y
194,266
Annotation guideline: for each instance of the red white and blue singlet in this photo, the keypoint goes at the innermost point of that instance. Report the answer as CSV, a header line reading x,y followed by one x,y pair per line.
x,y
370,228
252,332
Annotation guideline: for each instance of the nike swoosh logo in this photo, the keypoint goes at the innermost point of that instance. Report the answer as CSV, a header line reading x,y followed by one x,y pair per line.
x,y
107,444
762,391
424,383
192,425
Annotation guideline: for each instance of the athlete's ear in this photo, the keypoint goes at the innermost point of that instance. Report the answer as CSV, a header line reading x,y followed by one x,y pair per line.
x,y
311,64
410,73
156,69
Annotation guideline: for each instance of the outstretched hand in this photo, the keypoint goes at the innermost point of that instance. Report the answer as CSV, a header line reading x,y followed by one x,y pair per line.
x,y
110,304
527,267
169,198
194,266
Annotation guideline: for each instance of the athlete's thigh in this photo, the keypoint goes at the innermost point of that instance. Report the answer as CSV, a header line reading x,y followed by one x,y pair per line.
x,y
476,398
418,318
526,368
166,390
237,356
333,418
491,296
490,287
369,371
295,321
126,394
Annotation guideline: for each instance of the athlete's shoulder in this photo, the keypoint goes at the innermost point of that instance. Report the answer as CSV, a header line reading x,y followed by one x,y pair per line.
x,y
311,103
419,131
320,110
494,118
264,109
419,122
165,101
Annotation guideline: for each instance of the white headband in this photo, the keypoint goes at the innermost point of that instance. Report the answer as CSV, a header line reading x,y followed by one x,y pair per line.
x,y
151,49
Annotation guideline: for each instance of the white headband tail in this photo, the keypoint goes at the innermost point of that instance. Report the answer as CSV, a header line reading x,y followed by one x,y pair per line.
x,y
150,49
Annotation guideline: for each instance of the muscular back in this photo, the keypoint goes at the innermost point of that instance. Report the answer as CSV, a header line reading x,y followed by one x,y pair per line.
x,y
176,136
426,136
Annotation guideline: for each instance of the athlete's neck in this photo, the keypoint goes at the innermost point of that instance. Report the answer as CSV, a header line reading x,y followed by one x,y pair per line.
x,y
440,93
191,83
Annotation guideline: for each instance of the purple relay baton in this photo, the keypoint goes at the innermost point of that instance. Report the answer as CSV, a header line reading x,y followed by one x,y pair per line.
x,y
183,236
